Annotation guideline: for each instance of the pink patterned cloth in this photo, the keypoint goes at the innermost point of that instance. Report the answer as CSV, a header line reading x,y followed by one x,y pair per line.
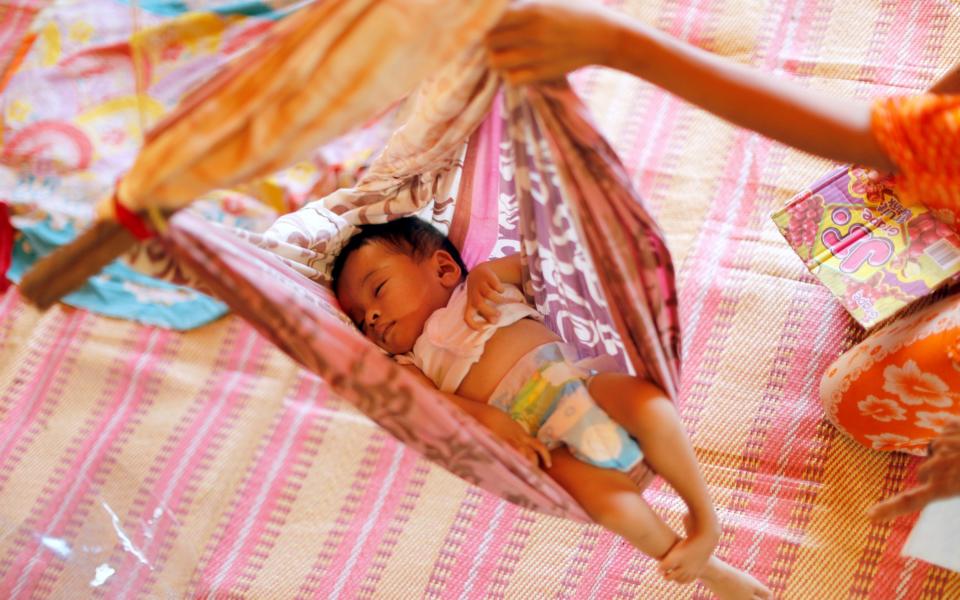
x,y
301,316
464,153
298,316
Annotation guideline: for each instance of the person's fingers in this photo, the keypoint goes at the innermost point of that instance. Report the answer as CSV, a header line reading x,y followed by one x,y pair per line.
x,y
473,319
512,59
493,295
906,502
469,316
542,451
941,474
488,312
947,443
673,569
952,425
931,466
534,74
505,38
530,455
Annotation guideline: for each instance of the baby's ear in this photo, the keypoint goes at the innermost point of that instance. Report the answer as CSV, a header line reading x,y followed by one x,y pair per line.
x,y
448,271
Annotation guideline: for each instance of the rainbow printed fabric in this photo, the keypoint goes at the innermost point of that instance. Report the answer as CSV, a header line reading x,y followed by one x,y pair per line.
x,y
81,83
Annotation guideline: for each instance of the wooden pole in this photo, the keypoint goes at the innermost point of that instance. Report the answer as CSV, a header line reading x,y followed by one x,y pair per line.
x,y
69,266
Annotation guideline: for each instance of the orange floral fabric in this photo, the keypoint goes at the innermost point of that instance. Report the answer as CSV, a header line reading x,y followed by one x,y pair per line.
x,y
921,134
896,389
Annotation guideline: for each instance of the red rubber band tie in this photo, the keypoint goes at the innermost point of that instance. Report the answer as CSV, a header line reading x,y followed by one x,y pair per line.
x,y
131,220
6,246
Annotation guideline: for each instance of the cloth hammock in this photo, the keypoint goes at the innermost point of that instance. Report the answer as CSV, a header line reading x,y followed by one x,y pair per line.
x,y
463,152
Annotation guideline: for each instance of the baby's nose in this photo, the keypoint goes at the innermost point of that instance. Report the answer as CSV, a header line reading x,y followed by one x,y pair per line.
x,y
373,315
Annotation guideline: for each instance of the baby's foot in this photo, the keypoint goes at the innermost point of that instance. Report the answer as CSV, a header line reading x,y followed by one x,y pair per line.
x,y
729,583
688,558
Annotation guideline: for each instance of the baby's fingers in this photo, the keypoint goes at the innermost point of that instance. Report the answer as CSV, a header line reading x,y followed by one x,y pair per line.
x,y
487,311
473,319
528,454
542,451
492,294
522,444
480,316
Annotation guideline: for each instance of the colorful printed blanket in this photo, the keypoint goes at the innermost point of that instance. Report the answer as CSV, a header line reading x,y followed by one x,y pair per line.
x,y
82,84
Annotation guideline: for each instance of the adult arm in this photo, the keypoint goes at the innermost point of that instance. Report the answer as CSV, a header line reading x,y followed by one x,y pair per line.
x,y
537,41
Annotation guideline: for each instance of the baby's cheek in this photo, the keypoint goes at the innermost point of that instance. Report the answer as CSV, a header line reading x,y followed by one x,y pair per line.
x,y
403,342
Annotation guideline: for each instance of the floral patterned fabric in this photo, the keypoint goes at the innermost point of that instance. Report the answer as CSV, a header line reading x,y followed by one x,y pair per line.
x,y
895,390
922,136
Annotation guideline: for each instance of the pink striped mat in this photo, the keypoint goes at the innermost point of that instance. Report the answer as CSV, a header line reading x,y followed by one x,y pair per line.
x,y
136,462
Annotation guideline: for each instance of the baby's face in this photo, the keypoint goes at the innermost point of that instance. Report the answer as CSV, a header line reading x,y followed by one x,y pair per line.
x,y
389,295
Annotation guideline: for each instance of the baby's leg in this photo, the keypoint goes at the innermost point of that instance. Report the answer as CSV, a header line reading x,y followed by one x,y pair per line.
x,y
614,501
643,410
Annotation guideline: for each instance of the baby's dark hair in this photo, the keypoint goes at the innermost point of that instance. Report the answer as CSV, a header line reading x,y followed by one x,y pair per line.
x,y
409,235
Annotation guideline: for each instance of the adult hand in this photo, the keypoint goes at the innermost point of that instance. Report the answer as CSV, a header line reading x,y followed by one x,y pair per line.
x,y
939,477
538,41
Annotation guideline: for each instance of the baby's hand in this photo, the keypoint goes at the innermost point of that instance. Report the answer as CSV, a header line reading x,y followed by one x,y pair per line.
x,y
484,290
512,433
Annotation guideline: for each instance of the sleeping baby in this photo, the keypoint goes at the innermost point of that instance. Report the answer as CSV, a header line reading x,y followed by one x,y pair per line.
x,y
474,338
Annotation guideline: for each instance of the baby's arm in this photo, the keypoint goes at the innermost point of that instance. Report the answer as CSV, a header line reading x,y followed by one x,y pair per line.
x,y
506,268
541,40
484,288
496,421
